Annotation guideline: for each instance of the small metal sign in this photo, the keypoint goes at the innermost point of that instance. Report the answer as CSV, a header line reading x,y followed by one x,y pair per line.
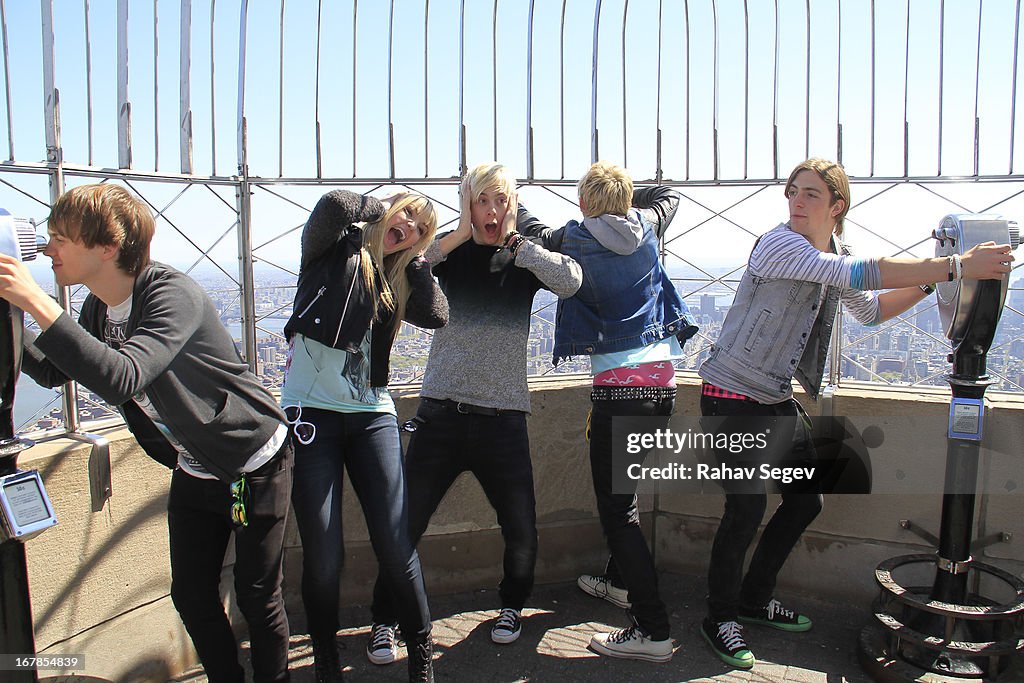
x,y
25,509
966,418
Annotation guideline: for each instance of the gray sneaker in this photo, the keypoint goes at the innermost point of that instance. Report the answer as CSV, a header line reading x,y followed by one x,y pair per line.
x,y
601,587
382,647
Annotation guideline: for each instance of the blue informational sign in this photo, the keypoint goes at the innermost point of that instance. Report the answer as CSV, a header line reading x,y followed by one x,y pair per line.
x,y
966,418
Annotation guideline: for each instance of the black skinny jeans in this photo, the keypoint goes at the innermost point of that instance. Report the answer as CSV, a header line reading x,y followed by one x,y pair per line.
x,y
496,450
620,519
199,521
745,501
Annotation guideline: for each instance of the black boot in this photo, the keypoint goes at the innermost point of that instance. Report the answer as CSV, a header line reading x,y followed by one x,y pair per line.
x,y
421,665
325,661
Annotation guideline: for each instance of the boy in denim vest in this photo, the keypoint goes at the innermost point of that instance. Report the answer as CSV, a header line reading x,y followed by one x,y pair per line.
x,y
628,317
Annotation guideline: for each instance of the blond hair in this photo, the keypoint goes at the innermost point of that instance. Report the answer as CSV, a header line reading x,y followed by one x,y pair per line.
x,y
605,188
394,290
106,215
487,176
833,175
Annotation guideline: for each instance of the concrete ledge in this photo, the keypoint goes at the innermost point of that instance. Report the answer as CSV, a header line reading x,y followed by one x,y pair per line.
x,y
101,580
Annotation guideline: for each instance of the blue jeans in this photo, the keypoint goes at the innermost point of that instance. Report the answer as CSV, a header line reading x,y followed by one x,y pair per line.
x,y
496,450
200,527
620,518
745,502
367,445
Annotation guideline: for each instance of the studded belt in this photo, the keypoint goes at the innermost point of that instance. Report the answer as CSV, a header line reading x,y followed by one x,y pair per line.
x,y
632,393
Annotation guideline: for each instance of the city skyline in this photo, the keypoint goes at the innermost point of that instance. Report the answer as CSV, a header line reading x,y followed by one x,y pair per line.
x,y
894,352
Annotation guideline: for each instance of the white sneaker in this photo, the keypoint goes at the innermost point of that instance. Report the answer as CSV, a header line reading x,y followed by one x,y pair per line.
x,y
601,587
508,626
631,643
382,649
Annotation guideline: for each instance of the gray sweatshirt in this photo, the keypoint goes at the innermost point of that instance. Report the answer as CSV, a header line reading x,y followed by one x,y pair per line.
x,y
480,356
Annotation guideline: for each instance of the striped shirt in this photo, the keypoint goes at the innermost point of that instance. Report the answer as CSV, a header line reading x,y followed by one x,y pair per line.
x,y
782,254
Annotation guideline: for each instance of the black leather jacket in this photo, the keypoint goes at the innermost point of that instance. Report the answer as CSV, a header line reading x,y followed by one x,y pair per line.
x,y
332,305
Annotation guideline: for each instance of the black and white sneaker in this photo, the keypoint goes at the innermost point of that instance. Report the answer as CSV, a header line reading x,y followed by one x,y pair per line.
x,y
632,643
601,587
382,648
507,627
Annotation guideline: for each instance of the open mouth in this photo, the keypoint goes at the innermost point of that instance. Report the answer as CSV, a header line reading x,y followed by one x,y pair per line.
x,y
396,235
491,229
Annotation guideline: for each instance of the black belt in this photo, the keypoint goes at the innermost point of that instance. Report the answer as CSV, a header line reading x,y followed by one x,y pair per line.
x,y
632,393
469,408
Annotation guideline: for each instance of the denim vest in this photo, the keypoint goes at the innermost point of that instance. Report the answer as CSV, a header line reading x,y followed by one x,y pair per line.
x,y
625,302
774,332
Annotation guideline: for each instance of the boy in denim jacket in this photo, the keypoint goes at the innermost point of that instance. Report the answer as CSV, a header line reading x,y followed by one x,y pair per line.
x,y
628,317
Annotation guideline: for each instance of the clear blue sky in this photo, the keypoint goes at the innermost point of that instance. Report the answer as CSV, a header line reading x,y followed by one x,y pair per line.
x,y
410,100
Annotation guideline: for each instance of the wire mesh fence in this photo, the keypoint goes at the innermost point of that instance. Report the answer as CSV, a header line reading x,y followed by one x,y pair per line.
x,y
231,118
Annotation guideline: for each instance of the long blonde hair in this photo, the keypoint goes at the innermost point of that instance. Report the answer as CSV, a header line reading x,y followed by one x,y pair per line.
x,y
393,291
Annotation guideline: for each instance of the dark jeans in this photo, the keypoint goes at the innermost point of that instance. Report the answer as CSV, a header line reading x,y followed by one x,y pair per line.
x,y
620,519
745,502
199,521
612,573
367,445
496,450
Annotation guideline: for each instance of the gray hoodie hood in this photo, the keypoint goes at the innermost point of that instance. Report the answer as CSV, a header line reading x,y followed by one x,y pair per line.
x,y
621,234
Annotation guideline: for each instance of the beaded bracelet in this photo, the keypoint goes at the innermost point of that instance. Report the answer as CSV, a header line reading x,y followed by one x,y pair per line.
x,y
513,242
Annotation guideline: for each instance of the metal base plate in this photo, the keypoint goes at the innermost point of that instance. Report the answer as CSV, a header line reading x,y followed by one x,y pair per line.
x,y
878,662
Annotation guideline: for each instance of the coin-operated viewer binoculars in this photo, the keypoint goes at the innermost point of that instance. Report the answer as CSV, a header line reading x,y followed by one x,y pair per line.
x,y
945,632
25,509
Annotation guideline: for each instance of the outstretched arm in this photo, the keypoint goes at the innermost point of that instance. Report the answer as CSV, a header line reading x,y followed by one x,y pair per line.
x,y
37,366
170,316
658,205
987,261
784,254
530,227
557,272
896,301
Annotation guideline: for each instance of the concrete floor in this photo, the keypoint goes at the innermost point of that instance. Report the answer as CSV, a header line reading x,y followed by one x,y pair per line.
x,y
557,627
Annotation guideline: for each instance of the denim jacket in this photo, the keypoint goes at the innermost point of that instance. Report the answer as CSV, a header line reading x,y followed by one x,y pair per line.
x,y
775,331
626,301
